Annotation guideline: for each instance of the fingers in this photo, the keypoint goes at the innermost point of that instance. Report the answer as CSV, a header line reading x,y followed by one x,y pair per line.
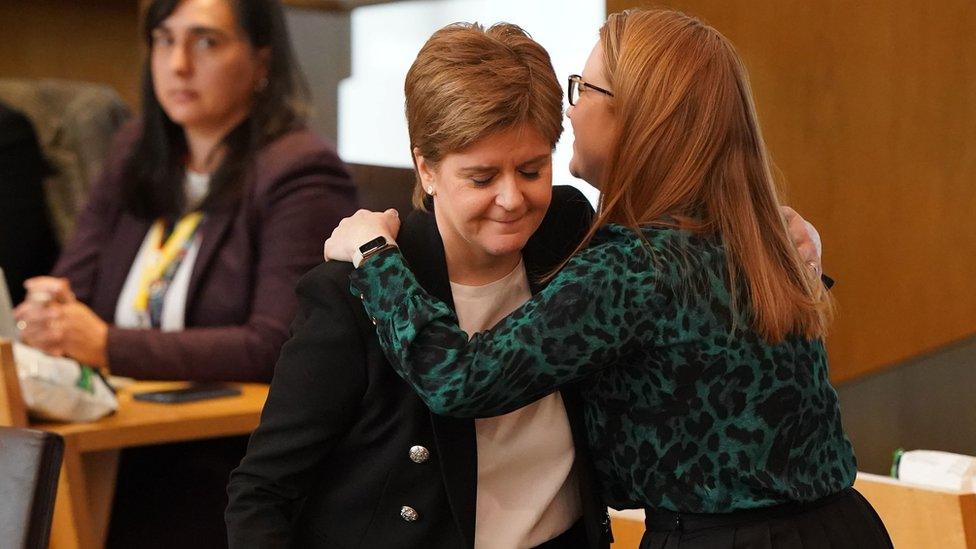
x,y
47,284
329,252
808,252
31,312
805,238
788,213
22,309
49,288
41,327
84,335
802,232
815,237
800,237
393,221
358,229
795,224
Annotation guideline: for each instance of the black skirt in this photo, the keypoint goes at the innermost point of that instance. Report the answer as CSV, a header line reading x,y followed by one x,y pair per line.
x,y
843,520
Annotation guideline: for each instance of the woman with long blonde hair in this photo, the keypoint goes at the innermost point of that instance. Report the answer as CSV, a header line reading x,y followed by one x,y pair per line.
x,y
695,326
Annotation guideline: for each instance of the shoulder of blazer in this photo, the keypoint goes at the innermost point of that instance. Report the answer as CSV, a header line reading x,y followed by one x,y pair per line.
x,y
327,280
326,287
564,226
123,144
296,154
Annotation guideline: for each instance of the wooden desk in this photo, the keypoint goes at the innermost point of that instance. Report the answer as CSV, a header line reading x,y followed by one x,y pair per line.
x,y
628,528
91,450
921,517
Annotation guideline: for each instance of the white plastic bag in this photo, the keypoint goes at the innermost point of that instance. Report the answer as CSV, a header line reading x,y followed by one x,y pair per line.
x,y
61,389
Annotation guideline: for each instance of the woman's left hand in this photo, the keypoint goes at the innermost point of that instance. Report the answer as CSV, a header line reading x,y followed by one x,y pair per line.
x,y
805,239
69,329
84,335
358,229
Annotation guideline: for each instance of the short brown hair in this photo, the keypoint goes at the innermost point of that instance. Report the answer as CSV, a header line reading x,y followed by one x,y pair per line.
x,y
468,83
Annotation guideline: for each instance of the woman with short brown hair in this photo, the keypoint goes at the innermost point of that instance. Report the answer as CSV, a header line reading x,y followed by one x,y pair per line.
x,y
346,455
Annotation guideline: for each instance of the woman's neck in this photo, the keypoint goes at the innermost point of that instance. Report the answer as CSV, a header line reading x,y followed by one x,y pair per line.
x,y
204,145
204,151
477,269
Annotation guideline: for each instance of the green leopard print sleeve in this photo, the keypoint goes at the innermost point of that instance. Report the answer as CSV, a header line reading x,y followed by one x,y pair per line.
x,y
564,333
686,407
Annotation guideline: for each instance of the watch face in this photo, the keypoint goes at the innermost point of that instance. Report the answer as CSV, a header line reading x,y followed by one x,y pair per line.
x,y
372,244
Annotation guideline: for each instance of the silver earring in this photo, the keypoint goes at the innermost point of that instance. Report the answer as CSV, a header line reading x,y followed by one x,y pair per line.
x,y
430,190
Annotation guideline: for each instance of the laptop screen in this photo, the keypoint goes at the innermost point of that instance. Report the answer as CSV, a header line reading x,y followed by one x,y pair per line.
x,y
8,328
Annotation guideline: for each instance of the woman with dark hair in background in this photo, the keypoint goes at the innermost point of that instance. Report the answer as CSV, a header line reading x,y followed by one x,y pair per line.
x,y
695,327
184,261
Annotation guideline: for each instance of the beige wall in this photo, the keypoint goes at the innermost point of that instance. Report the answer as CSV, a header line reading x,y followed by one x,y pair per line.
x,y
869,109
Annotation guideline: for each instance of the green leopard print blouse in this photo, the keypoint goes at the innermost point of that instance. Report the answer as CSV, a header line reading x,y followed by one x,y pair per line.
x,y
686,408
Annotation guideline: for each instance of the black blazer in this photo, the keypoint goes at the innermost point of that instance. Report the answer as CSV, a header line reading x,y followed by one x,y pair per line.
x,y
330,464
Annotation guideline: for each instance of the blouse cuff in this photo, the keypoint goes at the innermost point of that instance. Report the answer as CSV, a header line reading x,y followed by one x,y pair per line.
x,y
394,300
381,282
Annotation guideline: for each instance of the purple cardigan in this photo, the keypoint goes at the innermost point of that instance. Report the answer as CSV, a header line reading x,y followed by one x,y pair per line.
x,y
241,295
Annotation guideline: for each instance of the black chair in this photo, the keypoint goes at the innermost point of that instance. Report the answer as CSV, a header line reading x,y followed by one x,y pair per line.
x,y
381,187
30,463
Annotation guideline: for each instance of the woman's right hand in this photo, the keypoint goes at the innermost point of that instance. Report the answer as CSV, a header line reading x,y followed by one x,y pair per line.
x,y
36,316
358,229
45,289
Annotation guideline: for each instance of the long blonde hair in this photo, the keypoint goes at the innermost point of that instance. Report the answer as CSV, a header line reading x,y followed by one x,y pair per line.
x,y
688,146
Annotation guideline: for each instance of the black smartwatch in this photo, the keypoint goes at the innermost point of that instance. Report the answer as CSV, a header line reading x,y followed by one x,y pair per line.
x,y
370,249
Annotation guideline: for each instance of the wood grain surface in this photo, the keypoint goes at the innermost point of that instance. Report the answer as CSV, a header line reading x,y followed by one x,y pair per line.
x,y
869,110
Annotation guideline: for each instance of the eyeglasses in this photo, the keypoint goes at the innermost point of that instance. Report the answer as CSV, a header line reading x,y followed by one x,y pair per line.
x,y
577,86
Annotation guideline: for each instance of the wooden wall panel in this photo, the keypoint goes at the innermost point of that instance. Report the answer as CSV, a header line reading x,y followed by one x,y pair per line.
x,y
91,40
869,109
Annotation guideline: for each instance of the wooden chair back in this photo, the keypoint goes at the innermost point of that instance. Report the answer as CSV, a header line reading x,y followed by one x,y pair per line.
x,y
382,187
13,411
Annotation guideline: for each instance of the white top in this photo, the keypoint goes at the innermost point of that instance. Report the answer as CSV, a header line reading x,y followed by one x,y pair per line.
x,y
527,487
195,186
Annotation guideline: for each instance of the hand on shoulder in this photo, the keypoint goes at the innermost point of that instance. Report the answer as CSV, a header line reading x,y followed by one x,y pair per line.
x,y
358,229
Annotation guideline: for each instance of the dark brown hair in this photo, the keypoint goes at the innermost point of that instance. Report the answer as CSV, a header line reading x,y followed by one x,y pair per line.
x,y
155,169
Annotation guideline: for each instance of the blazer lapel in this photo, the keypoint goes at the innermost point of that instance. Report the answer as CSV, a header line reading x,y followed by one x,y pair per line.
x,y
457,446
212,232
116,264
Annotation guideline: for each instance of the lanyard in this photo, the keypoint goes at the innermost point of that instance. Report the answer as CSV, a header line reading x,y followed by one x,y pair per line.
x,y
168,252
